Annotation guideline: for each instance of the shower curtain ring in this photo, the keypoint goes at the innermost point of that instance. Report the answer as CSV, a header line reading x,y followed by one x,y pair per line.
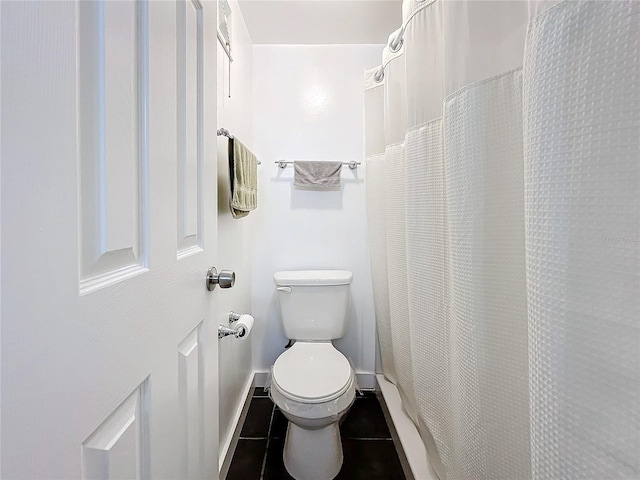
x,y
379,75
395,47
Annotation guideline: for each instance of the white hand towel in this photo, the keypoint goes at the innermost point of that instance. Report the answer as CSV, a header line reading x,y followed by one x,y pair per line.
x,y
317,175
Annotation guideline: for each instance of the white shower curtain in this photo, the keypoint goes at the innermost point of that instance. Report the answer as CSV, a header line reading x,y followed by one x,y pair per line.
x,y
503,171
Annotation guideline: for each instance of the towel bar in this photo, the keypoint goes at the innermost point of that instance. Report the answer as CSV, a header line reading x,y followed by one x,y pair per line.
x,y
223,132
283,164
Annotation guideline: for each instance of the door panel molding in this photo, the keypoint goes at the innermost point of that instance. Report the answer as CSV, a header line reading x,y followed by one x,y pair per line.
x,y
119,448
113,142
189,125
191,393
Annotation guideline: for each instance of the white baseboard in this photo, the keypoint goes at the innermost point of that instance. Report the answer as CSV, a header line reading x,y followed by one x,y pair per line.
x,y
407,433
366,381
228,447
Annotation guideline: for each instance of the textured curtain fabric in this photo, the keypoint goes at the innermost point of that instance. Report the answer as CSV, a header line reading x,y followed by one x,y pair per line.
x,y
486,277
376,216
395,108
582,172
503,218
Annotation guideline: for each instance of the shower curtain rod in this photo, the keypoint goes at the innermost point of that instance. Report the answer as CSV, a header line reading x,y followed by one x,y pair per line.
x,y
394,47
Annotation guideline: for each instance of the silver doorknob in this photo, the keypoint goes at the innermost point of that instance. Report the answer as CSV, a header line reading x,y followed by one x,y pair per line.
x,y
226,278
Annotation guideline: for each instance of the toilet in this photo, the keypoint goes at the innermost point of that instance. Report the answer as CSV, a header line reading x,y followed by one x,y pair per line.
x,y
312,383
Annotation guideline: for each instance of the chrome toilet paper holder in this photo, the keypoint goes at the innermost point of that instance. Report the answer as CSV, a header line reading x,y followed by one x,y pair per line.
x,y
238,332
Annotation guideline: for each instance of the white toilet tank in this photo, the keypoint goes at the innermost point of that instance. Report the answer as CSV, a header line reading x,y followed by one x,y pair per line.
x,y
314,304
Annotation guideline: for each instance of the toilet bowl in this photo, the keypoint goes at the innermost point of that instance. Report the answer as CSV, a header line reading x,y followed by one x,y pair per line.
x,y
313,384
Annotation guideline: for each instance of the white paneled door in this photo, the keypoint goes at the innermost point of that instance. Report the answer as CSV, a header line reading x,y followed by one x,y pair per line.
x,y
108,198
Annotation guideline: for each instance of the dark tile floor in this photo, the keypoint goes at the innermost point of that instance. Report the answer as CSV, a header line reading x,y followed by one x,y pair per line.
x,y
369,452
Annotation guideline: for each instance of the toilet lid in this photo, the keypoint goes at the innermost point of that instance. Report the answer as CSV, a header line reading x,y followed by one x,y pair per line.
x,y
312,372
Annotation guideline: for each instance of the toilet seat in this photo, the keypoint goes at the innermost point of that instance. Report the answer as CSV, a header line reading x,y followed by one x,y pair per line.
x,y
312,372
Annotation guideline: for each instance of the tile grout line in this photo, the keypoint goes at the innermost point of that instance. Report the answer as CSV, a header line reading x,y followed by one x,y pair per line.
x,y
266,452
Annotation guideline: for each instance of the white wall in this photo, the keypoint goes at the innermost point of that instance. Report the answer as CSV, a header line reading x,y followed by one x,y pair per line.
x,y
309,104
234,114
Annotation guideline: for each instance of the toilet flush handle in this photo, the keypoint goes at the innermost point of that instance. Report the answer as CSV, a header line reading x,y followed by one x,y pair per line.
x,y
284,289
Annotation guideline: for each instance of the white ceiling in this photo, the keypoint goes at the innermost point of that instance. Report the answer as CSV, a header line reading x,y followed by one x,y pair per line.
x,y
321,21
